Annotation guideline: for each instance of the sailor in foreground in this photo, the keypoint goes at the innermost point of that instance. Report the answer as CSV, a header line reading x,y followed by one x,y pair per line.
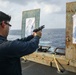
x,y
11,51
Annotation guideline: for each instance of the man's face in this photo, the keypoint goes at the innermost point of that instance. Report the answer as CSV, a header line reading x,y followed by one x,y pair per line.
x,y
7,26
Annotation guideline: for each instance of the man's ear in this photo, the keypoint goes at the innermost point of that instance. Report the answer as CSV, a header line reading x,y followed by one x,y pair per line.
x,y
3,24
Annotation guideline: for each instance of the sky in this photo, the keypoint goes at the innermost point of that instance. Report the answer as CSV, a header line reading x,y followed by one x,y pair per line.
x,y
52,12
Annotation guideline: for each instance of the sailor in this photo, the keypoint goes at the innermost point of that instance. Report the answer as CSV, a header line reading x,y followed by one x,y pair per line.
x,y
11,51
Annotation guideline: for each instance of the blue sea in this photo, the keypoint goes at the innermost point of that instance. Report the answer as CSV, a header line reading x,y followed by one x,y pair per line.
x,y
56,37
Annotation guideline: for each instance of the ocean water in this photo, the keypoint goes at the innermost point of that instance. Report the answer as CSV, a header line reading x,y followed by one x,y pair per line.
x,y
56,37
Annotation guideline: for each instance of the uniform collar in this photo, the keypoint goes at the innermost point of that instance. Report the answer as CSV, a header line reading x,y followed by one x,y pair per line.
x,y
2,37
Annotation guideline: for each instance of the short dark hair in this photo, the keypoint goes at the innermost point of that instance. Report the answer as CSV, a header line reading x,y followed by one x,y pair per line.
x,y
4,17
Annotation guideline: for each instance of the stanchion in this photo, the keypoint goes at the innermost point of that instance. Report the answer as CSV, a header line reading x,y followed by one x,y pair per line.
x,y
59,71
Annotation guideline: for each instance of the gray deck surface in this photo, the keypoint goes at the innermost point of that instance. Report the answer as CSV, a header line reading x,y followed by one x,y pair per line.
x,y
32,68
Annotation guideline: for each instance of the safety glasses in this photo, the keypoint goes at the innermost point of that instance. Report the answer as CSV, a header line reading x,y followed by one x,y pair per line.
x,y
8,24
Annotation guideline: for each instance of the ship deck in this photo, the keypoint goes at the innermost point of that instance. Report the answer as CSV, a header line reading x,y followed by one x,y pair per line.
x,y
32,68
